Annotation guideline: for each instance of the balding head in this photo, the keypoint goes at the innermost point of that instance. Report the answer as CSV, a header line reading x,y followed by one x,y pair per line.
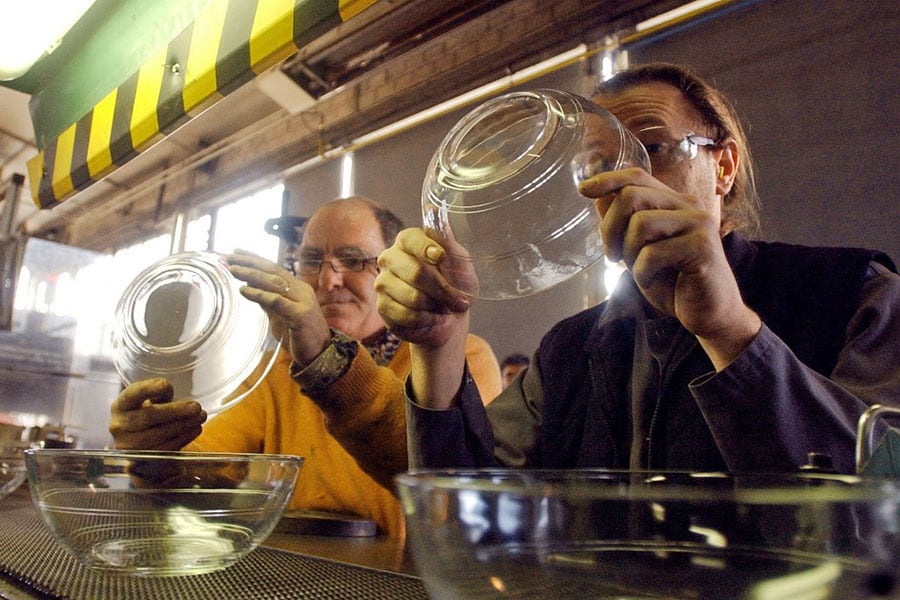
x,y
388,223
340,232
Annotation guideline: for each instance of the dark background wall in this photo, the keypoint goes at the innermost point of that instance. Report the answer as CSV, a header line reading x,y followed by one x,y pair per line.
x,y
816,84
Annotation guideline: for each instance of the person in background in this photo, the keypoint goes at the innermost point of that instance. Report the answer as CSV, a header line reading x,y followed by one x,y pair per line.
x,y
334,396
715,353
511,366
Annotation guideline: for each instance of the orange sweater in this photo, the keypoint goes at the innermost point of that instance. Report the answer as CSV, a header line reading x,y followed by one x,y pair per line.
x,y
363,414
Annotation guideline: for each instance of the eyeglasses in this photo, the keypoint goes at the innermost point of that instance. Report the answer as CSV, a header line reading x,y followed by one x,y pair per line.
x,y
348,264
666,152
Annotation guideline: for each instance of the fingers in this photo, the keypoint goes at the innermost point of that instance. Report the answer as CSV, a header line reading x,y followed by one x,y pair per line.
x,y
260,273
277,284
642,209
410,282
248,259
274,288
295,309
294,312
144,417
403,308
655,273
417,295
419,326
611,182
158,427
277,302
449,275
148,416
410,275
157,391
647,227
616,197
421,243
158,438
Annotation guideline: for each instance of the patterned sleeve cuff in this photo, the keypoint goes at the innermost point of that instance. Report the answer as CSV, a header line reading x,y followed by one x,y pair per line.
x,y
328,367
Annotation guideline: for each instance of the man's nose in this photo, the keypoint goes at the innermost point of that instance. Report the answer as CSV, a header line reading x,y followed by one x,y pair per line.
x,y
329,278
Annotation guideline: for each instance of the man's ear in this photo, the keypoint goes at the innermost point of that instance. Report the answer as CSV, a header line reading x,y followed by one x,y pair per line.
x,y
727,167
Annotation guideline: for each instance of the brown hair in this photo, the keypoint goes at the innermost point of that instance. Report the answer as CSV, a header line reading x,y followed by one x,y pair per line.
x,y
516,358
741,204
389,223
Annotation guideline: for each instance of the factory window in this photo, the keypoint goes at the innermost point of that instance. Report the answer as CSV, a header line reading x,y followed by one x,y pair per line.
x,y
241,224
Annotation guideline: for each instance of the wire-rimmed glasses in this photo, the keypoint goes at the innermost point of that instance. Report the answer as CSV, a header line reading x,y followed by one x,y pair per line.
x,y
665,151
346,264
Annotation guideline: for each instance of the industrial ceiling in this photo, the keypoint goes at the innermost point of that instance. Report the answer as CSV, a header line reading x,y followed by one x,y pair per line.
x,y
347,77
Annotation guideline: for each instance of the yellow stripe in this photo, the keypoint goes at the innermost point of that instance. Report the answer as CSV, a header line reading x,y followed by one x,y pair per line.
x,y
99,158
350,8
62,164
35,175
271,40
200,75
144,123
272,36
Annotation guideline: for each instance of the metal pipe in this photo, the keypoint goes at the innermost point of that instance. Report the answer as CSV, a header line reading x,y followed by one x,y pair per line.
x,y
11,250
581,52
865,432
12,193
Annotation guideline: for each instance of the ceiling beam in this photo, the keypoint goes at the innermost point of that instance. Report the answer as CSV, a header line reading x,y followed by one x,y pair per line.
x,y
514,35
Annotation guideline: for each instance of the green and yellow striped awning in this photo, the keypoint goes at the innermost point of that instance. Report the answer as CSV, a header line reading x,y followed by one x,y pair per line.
x,y
227,45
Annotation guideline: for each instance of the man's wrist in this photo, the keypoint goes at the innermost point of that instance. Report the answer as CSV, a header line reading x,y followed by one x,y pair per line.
x,y
331,364
725,348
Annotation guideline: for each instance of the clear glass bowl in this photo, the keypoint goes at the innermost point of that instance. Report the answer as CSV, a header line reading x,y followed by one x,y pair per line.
x,y
160,513
503,185
606,534
183,318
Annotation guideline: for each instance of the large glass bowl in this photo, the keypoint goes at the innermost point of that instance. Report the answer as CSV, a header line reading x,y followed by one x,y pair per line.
x,y
602,534
160,513
184,319
503,185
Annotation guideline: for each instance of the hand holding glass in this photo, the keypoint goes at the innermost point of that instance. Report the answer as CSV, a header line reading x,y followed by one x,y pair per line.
x,y
503,186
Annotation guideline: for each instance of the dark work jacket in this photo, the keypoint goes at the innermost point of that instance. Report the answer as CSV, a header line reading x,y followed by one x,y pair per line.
x,y
804,295
575,407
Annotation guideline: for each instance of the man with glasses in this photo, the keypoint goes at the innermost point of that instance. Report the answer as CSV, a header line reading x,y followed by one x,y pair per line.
x,y
715,353
335,393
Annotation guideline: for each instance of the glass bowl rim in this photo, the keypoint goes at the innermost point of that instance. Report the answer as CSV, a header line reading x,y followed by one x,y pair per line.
x,y
777,488
167,455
